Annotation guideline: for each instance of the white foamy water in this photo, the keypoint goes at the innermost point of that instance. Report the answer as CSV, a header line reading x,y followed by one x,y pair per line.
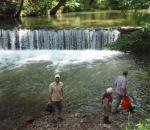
x,y
11,59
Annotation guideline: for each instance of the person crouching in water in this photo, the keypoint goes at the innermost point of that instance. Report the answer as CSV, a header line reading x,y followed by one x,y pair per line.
x,y
107,102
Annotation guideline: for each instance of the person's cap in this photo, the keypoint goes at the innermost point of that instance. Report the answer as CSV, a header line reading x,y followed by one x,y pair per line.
x,y
109,90
57,76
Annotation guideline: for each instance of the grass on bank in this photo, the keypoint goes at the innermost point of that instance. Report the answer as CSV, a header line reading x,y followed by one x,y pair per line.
x,y
145,125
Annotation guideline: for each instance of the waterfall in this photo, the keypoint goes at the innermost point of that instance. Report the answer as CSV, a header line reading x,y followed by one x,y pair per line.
x,y
70,39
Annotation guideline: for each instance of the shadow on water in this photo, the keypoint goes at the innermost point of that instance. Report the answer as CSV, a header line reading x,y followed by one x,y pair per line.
x,y
10,23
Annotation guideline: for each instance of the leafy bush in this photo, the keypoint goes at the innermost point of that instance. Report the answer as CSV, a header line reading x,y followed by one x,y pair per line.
x,y
145,125
37,8
134,42
71,5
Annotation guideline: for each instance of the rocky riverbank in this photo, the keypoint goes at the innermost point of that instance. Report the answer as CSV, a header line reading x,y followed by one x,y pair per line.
x,y
82,121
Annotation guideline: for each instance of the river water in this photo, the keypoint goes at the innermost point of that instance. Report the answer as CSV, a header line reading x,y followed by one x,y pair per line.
x,y
25,76
108,18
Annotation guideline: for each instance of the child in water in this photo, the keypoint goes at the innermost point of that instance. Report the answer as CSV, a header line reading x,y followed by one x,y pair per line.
x,y
107,103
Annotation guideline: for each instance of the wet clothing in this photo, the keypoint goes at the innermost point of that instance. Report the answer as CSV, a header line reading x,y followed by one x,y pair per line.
x,y
56,105
56,91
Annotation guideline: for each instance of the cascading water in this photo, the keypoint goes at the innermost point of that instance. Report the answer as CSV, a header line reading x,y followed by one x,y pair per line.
x,y
42,45
68,39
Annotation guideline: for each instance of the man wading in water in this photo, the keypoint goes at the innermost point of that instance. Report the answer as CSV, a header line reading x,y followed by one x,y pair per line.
x,y
55,97
121,89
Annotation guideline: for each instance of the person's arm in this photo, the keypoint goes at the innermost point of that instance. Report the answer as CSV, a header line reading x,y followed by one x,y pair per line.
x,y
125,91
50,94
62,90
124,87
110,105
116,83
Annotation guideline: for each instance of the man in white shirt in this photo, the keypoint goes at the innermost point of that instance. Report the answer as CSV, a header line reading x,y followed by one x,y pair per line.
x,y
121,89
55,97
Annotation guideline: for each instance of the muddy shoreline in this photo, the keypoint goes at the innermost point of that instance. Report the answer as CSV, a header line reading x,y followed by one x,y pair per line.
x,y
81,121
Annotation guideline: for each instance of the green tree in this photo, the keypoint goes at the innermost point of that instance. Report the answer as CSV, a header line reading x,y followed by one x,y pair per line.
x,y
57,7
20,9
128,4
14,8
37,7
91,2
8,8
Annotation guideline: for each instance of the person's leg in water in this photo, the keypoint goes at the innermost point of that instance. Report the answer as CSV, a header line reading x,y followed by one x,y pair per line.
x,y
54,113
118,101
107,111
59,112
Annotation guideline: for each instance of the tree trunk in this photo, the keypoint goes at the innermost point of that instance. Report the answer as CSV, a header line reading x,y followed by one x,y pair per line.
x,y
56,8
17,15
91,2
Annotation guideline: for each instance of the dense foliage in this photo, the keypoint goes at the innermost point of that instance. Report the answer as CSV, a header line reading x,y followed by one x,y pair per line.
x,y
134,42
37,7
129,4
145,125
7,8
43,7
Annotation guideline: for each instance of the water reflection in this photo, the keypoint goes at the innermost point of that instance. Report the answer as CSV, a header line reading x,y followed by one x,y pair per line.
x,y
86,19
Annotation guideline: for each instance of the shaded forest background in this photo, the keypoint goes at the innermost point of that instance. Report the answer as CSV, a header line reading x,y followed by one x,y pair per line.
x,y
17,8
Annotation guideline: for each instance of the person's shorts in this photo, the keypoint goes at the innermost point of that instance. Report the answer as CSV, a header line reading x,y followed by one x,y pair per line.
x,y
118,99
57,105
116,102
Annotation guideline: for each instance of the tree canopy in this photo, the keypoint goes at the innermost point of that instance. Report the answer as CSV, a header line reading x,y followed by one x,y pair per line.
x,y
15,8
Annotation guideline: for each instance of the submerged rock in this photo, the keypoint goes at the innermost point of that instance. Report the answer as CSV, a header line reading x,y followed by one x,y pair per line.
x,y
29,119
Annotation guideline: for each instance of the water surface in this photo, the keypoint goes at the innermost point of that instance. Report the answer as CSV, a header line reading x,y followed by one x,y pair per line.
x,y
25,76
108,18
